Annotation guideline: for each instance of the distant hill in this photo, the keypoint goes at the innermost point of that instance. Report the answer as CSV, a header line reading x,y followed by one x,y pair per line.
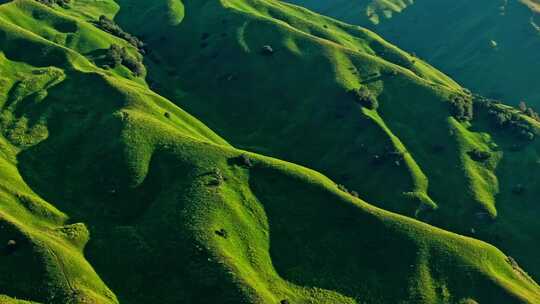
x,y
234,152
488,46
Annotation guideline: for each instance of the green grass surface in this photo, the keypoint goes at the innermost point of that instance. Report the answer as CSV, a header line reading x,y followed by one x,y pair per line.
x,y
294,105
115,194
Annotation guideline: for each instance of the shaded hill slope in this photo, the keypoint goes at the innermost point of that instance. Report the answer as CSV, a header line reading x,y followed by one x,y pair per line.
x,y
489,46
111,193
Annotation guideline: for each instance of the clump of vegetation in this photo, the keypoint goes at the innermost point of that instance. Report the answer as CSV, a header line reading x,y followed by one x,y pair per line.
x,y
525,109
351,192
365,98
117,55
479,155
62,3
111,27
506,117
461,107
242,161
222,233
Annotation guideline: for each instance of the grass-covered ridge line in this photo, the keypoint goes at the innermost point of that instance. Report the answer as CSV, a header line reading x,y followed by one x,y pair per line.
x,y
478,50
114,194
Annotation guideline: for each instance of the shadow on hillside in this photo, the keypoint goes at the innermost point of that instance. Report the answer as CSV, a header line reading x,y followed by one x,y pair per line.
x,y
321,240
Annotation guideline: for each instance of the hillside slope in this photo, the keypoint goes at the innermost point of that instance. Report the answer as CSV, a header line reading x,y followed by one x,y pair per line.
x,y
409,156
112,193
489,46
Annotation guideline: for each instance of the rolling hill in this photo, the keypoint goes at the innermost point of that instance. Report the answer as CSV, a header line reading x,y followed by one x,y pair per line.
x,y
410,156
489,52
186,180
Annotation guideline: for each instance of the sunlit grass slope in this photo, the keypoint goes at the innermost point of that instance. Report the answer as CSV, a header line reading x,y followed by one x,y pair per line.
x,y
111,193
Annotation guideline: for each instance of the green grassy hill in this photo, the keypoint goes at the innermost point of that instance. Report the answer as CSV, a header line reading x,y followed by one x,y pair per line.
x,y
489,51
410,156
112,193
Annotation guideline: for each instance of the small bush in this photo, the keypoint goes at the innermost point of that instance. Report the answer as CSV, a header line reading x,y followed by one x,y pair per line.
x,y
365,98
242,160
479,155
508,118
245,161
344,189
222,233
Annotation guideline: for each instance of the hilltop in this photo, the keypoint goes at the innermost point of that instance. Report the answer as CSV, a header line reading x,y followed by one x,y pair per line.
x,y
169,162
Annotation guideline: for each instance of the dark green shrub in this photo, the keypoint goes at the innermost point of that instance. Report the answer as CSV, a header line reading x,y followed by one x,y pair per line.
x,y
365,98
242,161
344,189
117,55
111,27
246,161
462,108
133,65
222,233
505,117
114,55
479,155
